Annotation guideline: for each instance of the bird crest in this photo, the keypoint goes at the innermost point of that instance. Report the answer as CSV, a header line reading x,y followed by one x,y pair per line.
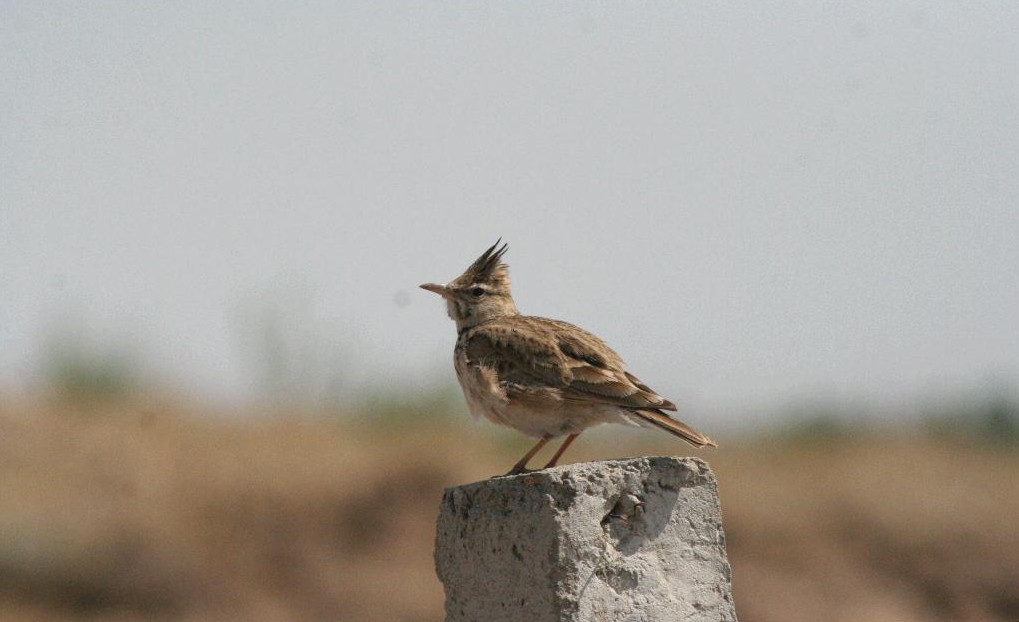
x,y
489,269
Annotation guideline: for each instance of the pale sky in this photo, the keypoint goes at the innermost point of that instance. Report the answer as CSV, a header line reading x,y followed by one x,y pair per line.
x,y
754,203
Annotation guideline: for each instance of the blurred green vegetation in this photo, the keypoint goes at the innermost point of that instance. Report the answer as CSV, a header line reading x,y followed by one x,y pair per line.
x,y
385,408
76,369
815,428
993,419
297,363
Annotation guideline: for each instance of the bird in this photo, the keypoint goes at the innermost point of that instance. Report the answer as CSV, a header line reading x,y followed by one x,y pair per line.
x,y
545,378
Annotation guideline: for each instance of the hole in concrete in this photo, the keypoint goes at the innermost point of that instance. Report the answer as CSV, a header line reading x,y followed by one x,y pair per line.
x,y
619,579
624,524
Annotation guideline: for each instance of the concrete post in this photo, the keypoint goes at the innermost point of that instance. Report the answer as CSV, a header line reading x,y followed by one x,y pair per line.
x,y
622,540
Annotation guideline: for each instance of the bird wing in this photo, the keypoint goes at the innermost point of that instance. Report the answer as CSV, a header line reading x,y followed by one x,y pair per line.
x,y
536,352
518,354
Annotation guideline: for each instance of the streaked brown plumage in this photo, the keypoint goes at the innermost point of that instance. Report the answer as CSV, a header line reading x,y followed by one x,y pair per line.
x,y
545,378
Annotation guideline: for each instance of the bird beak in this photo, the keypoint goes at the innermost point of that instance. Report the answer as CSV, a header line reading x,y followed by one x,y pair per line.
x,y
441,290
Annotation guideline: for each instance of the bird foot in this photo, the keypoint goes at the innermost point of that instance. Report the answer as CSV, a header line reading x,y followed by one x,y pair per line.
x,y
517,470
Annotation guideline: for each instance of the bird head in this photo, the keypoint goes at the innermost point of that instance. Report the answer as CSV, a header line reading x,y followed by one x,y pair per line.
x,y
481,293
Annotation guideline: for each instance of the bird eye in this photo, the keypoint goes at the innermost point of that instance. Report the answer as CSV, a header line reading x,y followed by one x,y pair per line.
x,y
477,292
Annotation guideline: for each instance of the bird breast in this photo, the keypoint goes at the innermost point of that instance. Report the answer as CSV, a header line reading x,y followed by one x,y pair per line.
x,y
485,397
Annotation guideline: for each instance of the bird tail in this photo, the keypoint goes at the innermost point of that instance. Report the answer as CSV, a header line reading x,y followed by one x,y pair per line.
x,y
658,419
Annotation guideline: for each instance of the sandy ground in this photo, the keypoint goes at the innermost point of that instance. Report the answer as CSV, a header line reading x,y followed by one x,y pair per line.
x,y
154,510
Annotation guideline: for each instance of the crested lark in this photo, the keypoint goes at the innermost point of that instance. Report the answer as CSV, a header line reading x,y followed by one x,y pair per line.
x,y
543,377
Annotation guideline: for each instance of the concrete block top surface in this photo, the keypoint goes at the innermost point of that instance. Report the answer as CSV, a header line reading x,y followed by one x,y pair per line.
x,y
638,539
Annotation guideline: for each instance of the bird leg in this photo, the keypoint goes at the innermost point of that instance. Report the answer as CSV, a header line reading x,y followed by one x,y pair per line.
x,y
562,448
521,466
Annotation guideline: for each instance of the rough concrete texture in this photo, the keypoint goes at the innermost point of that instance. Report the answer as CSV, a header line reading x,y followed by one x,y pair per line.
x,y
636,540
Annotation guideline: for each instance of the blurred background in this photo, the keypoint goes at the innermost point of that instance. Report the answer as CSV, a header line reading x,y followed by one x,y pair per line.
x,y
223,397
